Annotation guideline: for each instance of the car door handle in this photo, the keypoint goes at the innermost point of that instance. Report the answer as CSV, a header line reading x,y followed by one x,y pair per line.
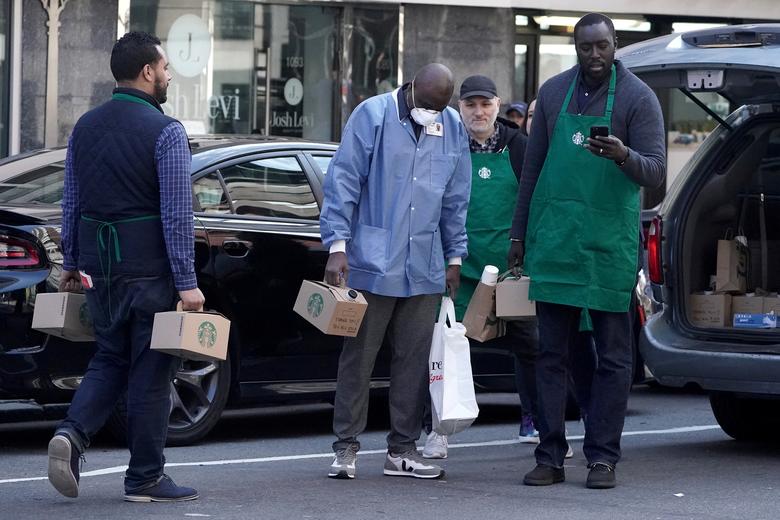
x,y
237,248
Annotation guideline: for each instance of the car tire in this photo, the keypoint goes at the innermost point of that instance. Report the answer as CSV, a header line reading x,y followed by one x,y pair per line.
x,y
199,393
746,419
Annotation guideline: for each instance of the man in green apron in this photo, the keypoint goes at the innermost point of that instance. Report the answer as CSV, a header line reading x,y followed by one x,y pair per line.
x,y
497,150
128,243
576,234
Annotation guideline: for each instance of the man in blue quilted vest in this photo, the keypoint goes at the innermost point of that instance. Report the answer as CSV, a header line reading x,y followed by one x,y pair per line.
x,y
128,242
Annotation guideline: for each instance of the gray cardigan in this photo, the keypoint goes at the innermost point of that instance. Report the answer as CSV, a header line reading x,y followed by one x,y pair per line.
x,y
636,120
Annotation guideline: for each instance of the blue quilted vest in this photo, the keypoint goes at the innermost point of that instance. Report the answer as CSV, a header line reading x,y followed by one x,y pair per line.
x,y
113,148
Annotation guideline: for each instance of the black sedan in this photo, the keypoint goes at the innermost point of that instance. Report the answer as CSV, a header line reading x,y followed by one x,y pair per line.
x,y
256,238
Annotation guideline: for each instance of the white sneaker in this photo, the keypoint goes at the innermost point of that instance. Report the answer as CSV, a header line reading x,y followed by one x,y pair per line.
x,y
410,464
435,446
569,452
343,466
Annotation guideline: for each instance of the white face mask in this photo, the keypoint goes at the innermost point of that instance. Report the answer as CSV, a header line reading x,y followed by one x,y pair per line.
x,y
423,116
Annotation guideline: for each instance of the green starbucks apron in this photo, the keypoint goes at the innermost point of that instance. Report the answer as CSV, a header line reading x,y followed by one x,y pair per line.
x,y
583,225
488,221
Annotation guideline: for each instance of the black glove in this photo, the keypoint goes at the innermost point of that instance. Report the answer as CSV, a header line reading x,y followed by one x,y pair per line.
x,y
514,259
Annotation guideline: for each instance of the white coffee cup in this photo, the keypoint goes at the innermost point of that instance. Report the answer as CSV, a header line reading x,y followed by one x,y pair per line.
x,y
489,275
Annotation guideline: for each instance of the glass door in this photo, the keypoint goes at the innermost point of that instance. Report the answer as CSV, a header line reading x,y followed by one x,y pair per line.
x,y
295,70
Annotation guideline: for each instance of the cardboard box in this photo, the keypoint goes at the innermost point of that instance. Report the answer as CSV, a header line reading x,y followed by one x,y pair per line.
x,y
201,336
512,301
755,321
334,310
747,304
63,314
710,310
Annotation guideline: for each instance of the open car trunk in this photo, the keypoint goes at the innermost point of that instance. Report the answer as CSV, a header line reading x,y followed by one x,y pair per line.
x,y
731,184
740,184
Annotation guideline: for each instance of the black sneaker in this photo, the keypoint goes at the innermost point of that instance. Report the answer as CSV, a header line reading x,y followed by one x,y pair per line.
x,y
165,490
544,476
64,465
601,476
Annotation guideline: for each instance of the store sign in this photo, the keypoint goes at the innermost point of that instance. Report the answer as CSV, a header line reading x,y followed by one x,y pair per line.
x,y
189,45
293,91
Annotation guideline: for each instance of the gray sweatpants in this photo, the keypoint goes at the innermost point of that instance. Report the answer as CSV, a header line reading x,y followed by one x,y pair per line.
x,y
408,324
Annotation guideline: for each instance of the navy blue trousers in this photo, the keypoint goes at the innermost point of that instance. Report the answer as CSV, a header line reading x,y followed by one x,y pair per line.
x,y
124,362
610,384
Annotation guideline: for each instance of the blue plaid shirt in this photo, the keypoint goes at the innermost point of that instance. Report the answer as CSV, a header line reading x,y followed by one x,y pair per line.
x,y
173,158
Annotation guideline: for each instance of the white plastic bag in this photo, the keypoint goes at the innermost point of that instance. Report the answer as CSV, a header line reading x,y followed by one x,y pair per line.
x,y
453,403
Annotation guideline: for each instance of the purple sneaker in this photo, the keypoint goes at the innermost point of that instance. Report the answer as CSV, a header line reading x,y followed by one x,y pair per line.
x,y
528,433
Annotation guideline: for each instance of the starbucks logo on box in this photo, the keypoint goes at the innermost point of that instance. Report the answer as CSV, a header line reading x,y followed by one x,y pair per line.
x,y
207,334
315,305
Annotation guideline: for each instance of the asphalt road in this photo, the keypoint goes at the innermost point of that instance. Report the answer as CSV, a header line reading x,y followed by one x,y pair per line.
x,y
272,464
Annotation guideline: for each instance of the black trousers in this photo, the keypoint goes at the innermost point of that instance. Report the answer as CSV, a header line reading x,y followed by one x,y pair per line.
x,y
610,385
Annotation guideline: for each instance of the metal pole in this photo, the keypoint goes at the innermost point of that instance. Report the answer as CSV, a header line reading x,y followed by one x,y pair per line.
x,y
15,138
53,9
268,91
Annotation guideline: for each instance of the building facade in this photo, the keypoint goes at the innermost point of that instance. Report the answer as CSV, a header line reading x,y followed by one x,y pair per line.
x,y
298,68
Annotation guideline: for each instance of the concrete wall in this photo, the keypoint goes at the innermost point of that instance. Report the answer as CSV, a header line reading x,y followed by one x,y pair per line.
x,y
87,34
468,40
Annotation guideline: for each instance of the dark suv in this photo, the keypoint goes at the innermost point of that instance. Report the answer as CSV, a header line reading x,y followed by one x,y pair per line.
x,y
732,182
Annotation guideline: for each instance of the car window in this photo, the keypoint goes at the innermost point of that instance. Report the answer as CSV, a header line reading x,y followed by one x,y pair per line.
x,y
272,187
40,186
210,195
322,161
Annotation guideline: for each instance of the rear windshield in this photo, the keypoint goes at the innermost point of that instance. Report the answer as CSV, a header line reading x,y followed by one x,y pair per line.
x,y
40,186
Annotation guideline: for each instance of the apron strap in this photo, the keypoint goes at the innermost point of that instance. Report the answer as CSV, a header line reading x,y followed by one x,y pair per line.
x,y
567,99
113,235
610,95
133,99
112,238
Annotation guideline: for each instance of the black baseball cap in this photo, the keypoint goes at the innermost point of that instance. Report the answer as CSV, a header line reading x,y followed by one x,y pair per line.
x,y
478,86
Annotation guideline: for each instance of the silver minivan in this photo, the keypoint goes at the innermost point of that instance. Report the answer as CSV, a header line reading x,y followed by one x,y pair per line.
x,y
731,182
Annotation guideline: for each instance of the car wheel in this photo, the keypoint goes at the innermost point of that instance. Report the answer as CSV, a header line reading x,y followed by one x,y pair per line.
x,y
199,393
746,419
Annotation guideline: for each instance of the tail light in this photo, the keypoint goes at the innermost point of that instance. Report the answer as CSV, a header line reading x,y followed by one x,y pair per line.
x,y
17,252
654,261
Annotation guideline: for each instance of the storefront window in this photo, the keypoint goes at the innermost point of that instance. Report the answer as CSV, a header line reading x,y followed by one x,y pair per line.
x,y
374,54
5,23
242,66
521,71
556,54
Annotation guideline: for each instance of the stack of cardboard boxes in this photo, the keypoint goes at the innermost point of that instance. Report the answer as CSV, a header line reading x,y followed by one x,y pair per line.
x,y
728,304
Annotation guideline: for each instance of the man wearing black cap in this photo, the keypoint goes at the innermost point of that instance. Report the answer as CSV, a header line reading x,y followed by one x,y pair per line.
x,y
497,151
516,113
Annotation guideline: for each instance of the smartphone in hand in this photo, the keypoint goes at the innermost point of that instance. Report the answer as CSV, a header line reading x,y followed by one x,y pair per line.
x,y
599,131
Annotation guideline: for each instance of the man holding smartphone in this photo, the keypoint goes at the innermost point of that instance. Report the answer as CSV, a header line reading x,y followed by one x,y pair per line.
x,y
597,136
